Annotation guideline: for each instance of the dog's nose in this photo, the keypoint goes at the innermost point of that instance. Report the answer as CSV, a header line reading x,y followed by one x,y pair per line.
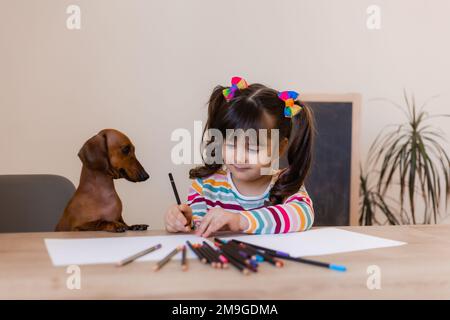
x,y
143,176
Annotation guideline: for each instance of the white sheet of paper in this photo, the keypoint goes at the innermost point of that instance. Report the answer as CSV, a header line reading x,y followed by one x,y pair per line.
x,y
65,252
318,242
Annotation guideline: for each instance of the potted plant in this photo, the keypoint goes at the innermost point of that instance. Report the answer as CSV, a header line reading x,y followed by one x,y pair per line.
x,y
407,160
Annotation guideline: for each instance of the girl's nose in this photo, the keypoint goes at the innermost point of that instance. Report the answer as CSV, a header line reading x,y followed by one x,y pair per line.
x,y
241,155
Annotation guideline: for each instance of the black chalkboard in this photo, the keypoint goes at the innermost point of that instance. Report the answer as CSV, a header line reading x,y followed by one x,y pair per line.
x,y
330,181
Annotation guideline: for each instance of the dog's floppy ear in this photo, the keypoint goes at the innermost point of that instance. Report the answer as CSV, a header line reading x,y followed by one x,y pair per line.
x,y
94,153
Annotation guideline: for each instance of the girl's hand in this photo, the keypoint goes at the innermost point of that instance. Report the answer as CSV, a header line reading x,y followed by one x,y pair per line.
x,y
217,218
178,218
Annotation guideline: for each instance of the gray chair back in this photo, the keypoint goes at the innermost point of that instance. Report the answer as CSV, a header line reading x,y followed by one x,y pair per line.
x,y
32,203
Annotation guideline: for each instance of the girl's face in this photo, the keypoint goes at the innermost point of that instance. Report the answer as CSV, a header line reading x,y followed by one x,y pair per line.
x,y
248,160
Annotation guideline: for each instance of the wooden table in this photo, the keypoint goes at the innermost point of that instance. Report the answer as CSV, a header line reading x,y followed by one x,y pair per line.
x,y
420,269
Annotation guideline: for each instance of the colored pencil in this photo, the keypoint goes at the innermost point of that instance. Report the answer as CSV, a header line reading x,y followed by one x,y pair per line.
x,y
209,256
242,268
222,259
213,252
174,187
205,260
138,255
204,254
199,256
184,263
265,256
330,266
231,252
167,258
272,251
287,256
243,251
232,249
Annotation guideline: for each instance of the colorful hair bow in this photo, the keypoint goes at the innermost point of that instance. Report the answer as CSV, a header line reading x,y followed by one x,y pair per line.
x,y
290,109
236,83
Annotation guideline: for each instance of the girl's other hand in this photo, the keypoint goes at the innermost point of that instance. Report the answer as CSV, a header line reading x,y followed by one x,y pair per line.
x,y
178,218
216,219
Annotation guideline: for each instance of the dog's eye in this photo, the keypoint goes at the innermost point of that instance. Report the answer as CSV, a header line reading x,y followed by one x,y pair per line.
x,y
126,150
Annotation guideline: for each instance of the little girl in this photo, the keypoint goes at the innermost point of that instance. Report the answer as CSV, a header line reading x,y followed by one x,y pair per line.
x,y
235,195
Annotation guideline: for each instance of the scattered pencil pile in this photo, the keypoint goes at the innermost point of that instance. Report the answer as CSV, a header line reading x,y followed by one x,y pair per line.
x,y
243,256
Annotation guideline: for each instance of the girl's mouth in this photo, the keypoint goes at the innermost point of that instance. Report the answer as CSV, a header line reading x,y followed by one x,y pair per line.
x,y
240,167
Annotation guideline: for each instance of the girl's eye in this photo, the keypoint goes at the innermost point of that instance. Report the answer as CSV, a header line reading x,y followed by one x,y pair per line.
x,y
253,149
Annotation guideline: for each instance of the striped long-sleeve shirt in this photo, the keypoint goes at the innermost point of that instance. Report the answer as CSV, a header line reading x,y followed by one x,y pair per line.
x,y
296,213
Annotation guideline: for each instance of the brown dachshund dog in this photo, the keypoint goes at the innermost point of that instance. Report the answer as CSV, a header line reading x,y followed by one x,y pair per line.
x,y
95,205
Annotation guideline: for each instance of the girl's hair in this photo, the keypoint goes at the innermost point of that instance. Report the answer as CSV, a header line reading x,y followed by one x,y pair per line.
x,y
248,109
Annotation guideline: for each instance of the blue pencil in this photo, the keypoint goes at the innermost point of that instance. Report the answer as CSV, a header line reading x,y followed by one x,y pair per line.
x,y
330,266
287,256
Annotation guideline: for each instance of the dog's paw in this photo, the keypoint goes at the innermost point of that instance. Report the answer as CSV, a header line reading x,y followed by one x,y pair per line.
x,y
120,229
117,227
138,227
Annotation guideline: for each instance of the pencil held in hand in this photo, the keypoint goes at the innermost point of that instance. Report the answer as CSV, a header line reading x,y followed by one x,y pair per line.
x,y
174,187
181,207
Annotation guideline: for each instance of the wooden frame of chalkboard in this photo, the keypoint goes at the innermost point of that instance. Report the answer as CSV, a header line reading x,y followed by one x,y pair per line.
x,y
341,100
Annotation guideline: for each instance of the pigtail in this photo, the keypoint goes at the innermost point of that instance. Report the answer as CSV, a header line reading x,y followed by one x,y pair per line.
x,y
216,106
299,156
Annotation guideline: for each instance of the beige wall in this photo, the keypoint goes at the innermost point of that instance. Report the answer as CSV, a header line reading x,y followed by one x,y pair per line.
x,y
147,68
